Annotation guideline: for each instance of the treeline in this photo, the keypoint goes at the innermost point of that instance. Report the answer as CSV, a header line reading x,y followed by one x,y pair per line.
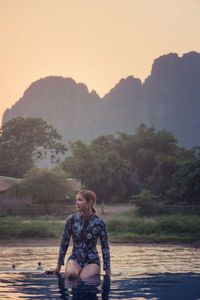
x,y
147,167
23,142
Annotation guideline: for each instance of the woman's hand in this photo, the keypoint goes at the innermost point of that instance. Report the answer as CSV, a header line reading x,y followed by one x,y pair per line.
x,y
108,272
55,272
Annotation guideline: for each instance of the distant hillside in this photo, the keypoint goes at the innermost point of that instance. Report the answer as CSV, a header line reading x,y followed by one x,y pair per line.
x,y
173,95
169,98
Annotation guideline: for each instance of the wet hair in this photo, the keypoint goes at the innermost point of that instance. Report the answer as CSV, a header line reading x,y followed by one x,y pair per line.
x,y
89,195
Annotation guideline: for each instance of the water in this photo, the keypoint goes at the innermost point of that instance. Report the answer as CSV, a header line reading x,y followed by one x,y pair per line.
x,y
138,272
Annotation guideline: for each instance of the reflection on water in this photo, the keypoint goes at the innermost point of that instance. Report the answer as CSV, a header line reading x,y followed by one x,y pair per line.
x,y
42,286
165,287
138,272
84,290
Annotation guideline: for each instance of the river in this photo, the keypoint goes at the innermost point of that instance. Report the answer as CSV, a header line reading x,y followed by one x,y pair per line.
x,y
138,272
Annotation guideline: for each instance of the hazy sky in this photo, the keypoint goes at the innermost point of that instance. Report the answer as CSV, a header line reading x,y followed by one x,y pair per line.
x,y
96,42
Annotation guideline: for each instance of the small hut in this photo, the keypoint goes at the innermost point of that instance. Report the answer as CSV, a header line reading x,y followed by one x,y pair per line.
x,y
6,182
75,183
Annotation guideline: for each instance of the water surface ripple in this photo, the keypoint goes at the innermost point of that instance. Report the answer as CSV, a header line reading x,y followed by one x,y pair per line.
x,y
138,272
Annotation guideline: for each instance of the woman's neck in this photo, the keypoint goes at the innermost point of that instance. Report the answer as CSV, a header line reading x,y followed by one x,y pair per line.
x,y
86,214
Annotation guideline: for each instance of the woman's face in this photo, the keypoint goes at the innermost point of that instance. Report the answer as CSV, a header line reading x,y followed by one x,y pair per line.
x,y
82,205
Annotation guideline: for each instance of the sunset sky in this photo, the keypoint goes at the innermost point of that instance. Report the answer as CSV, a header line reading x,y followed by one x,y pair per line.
x,y
96,42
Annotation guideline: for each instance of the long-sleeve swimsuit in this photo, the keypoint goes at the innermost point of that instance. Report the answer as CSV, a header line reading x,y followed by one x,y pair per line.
x,y
85,233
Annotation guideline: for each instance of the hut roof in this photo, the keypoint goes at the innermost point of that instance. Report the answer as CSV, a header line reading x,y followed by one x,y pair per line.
x,y
6,182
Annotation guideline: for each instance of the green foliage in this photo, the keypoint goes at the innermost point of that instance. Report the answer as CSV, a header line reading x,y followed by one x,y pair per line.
x,y
103,171
10,229
146,202
115,167
144,163
178,224
161,180
42,187
121,228
158,229
187,180
25,141
120,166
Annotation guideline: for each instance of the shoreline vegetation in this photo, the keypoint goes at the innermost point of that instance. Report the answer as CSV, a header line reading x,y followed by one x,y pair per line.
x,y
123,223
147,168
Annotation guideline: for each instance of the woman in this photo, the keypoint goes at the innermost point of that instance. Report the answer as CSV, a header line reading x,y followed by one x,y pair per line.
x,y
85,227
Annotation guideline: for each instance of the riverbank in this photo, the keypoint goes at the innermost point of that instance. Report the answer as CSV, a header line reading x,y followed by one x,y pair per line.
x,y
56,243
30,243
123,225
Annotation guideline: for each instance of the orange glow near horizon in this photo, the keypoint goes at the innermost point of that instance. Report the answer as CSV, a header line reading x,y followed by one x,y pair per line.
x,y
91,41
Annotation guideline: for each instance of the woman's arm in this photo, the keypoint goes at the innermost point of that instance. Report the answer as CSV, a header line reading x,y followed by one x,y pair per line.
x,y
64,242
63,248
105,248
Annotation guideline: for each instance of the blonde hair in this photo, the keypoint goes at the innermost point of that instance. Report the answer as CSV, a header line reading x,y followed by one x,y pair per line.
x,y
89,195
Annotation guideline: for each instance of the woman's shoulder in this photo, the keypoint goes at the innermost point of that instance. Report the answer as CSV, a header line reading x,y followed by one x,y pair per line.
x,y
72,217
97,219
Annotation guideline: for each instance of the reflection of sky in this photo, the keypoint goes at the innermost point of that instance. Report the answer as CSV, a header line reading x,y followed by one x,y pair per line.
x,y
27,286
131,260
138,272
40,286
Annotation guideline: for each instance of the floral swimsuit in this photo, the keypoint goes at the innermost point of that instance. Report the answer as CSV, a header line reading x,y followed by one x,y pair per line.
x,y
85,233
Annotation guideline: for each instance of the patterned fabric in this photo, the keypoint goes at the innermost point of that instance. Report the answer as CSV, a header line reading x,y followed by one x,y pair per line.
x,y
85,233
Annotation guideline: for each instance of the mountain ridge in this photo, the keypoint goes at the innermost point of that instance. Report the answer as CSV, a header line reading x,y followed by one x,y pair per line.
x,y
169,98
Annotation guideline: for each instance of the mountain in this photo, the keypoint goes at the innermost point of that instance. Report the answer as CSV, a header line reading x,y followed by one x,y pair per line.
x,y
173,95
61,102
168,99
124,106
77,113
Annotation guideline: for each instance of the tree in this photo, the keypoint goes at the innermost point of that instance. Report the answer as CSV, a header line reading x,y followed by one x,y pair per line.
x,y
123,165
144,163
187,180
25,141
42,187
141,148
103,171
146,202
113,177
162,178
